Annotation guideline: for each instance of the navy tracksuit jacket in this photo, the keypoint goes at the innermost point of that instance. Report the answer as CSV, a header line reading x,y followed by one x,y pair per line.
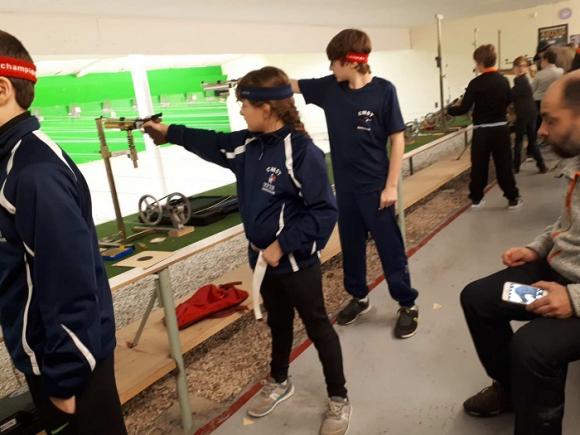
x,y
282,186
56,307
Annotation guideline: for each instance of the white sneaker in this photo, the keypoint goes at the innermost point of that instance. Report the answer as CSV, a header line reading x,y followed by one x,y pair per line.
x,y
271,395
337,418
514,204
478,205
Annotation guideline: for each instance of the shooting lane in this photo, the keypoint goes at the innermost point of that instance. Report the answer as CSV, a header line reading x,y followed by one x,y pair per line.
x,y
140,365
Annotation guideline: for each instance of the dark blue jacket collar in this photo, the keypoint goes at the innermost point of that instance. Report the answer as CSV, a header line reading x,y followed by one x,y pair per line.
x,y
16,129
273,137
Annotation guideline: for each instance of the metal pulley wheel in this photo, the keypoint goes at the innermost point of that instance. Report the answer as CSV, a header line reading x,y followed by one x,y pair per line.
x,y
411,131
430,121
150,210
179,208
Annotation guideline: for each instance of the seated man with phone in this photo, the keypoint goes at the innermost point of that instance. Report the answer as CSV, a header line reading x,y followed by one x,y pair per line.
x,y
529,367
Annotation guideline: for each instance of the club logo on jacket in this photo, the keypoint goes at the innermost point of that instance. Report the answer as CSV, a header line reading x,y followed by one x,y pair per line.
x,y
365,120
270,185
2,238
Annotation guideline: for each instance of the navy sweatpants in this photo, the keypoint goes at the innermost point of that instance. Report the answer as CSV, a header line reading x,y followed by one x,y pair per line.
x,y
359,215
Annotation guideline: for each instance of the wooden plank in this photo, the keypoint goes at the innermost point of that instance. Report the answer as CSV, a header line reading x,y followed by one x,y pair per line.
x,y
428,180
138,274
332,248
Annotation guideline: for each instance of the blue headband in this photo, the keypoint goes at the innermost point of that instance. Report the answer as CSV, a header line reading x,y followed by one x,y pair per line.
x,y
265,94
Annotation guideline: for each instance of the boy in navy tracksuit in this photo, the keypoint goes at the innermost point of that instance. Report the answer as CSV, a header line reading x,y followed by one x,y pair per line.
x,y
55,302
362,114
288,211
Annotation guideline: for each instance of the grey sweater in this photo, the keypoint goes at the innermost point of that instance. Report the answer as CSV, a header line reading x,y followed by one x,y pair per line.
x,y
560,242
544,78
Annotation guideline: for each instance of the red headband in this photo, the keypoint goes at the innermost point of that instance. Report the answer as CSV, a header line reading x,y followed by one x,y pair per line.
x,y
18,69
357,57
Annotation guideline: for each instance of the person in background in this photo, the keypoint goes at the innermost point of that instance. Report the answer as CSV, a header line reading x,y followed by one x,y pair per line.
x,y
526,115
564,56
490,95
547,75
576,62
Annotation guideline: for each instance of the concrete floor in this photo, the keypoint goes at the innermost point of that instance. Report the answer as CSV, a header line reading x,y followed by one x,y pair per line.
x,y
417,386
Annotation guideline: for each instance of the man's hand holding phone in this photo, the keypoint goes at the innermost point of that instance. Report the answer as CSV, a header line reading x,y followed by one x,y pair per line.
x,y
555,304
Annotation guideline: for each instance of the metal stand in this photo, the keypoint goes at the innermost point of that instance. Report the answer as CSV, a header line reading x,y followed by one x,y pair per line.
x,y
466,144
166,297
439,60
126,125
148,310
475,32
164,292
499,61
106,154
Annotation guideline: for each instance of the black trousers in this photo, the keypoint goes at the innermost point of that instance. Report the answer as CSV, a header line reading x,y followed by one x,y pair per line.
x,y
98,409
527,127
539,117
532,363
492,142
302,290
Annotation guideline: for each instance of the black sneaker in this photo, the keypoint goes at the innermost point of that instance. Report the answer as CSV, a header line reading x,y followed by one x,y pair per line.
x,y
407,322
354,309
489,402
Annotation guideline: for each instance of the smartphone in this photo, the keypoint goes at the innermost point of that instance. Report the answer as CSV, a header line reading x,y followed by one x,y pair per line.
x,y
521,293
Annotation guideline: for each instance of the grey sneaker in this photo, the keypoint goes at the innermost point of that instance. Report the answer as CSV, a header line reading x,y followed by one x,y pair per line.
x,y
269,397
337,418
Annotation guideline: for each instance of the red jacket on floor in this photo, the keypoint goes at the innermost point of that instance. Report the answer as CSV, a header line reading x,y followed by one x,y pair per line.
x,y
207,301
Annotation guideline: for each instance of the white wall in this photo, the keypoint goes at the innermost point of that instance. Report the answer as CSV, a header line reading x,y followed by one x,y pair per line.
x,y
519,37
88,35
404,68
405,57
